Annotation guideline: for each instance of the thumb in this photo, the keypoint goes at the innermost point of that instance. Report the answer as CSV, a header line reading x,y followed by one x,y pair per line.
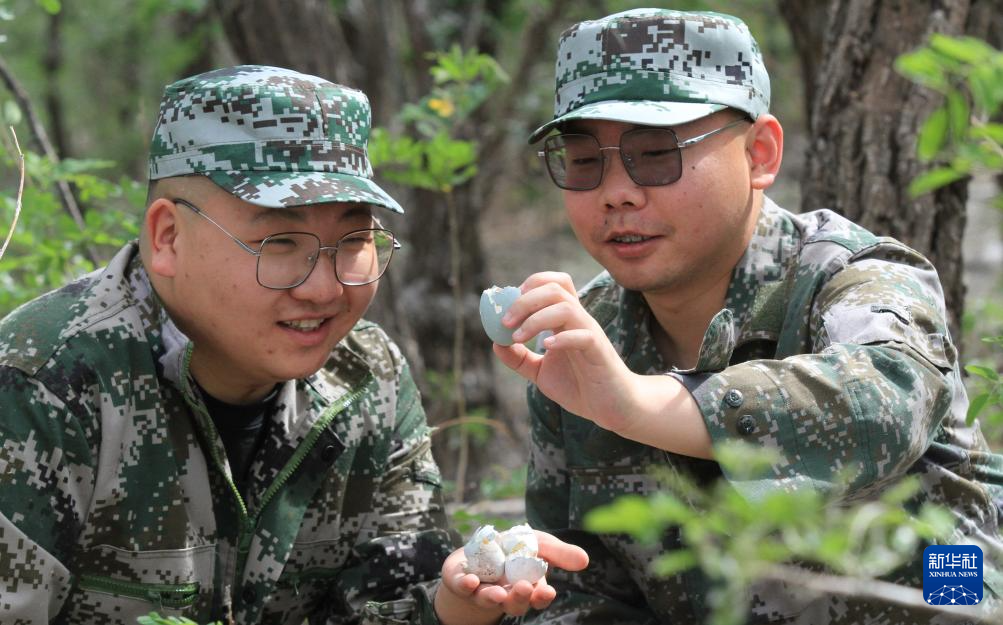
x,y
520,359
561,554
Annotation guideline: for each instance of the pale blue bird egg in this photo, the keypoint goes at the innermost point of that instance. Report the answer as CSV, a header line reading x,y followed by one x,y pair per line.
x,y
494,302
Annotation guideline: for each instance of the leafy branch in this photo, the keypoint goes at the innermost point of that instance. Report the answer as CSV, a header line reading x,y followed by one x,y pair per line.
x,y
962,136
440,162
737,540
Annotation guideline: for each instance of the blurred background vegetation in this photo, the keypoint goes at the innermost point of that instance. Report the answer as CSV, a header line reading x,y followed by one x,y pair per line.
x,y
456,87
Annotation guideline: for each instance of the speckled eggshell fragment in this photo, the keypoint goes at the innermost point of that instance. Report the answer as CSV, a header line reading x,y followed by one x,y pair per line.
x,y
485,557
519,540
510,554
524,568
494,302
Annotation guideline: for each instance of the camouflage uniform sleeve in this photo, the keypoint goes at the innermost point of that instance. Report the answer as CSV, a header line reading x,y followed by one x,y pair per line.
x,y
46,476
869,398
396,569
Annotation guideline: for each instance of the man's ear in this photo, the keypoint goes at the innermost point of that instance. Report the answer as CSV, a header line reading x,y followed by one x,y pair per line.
x,y
161,225
765,149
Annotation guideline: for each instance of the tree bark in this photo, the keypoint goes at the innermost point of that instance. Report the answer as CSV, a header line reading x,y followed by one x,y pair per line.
x,y
52,63
299,35
863,123
806,20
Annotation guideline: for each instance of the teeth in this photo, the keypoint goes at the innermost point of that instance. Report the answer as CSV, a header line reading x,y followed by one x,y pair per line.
x,y
304,325
631,238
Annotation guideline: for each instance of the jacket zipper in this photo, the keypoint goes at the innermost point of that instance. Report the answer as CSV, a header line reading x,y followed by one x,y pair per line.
x,y
174,596
301,452
247,524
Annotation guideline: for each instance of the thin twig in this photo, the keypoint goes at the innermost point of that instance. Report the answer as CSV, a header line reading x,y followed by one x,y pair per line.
x,y
470,420
20,193
459,397
986,140
63,190
873,590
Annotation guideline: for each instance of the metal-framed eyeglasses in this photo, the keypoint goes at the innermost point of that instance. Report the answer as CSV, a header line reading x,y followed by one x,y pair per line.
x,y
652,157
286,259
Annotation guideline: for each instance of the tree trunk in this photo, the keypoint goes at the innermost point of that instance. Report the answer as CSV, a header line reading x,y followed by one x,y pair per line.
x,y
299,35
52,63
863,122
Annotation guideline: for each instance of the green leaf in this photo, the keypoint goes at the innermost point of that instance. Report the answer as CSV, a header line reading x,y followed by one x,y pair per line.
x,y
674,562
630,514
983,372
667,509
50,6
922,66
957,108
991,131
964,49
932,135
976,406
983,84
934,179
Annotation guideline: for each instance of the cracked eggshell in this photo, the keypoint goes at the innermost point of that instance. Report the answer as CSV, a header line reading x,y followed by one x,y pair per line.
x,y
519,540
494,302
524,567
485,557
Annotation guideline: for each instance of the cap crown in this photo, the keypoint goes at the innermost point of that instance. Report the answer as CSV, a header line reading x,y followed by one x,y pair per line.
x,y
254,118
661,55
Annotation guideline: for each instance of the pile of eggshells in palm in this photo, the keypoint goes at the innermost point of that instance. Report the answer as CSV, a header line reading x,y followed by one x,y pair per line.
x,y
493,555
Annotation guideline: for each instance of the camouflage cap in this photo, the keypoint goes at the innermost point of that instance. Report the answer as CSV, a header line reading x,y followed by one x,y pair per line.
x,y
657,67
270,136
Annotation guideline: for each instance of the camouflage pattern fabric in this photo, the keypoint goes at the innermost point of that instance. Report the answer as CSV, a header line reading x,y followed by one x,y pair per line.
x,y
657,67
116,498
270,136
834,351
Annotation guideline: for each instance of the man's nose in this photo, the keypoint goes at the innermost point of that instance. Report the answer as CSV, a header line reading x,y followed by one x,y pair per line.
x,y
322,285
618,188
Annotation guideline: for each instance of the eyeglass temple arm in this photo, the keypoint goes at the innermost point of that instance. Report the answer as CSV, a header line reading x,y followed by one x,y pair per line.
x,y
682,144
379,224
198,211
697,139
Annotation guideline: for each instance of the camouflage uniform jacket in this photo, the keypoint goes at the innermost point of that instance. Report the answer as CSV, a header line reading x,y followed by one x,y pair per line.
x,y
116,498
832,349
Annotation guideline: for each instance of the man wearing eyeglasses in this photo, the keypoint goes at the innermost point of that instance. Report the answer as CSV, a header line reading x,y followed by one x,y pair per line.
x,y
207,427
722,317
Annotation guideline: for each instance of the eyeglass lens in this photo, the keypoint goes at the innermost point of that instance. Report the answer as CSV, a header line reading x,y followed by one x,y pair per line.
x,y
651,157
286,260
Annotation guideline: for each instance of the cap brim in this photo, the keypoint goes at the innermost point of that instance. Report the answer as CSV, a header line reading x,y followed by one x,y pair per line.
x,y
644,112
281,189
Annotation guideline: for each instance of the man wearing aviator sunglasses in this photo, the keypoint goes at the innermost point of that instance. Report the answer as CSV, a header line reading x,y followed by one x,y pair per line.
x,y
207,427
721,317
